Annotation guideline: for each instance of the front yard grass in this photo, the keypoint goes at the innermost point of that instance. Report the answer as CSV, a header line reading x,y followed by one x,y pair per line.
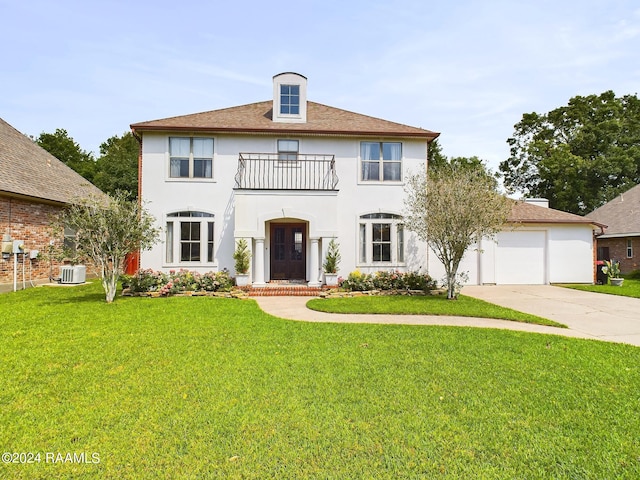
x,y
629,288
429,305
215,388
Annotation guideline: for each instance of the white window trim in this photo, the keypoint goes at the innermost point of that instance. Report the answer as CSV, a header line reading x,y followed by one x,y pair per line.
x,y
176,241
629,248
190,178
368,223
381,182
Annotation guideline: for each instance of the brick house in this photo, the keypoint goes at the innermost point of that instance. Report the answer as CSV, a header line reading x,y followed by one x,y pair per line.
x,y
34,186
621,239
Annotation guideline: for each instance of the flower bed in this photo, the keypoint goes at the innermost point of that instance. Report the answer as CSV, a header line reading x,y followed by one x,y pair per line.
x,y
181,282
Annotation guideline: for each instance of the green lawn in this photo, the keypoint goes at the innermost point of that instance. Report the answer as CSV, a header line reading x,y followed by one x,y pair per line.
x,y
630,288
430,305
215,388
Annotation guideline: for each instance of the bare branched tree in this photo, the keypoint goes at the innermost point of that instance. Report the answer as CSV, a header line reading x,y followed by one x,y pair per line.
x,y
451,210
107,229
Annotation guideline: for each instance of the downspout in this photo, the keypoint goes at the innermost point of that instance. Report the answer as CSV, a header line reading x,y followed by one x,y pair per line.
x,y
139,138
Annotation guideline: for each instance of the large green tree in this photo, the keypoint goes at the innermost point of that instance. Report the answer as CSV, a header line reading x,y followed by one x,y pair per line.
x,y
117,166
68,151
578,156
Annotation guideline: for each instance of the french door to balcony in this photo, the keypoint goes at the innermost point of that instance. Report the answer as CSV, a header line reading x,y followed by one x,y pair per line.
x,y
288,251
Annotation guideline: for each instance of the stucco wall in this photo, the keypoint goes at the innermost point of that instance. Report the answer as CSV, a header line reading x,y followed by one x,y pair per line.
x,y
327,213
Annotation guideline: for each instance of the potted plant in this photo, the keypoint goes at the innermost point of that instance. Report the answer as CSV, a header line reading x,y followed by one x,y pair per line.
x,y
612,270
331,262
242,257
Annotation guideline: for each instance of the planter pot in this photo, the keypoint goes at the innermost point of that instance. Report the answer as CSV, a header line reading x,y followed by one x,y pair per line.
x,y
331,279
242,279
616,282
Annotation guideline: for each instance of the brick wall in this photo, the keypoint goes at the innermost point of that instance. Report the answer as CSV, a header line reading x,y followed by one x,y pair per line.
x,y
618,251
30,222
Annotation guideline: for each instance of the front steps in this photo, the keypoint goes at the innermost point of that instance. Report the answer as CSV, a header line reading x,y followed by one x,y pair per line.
x,y
284,290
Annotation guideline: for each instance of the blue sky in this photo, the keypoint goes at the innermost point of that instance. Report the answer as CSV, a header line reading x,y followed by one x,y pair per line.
x,y
467,69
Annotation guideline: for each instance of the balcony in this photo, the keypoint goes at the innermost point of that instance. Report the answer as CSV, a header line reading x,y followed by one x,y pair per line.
x,y
273,171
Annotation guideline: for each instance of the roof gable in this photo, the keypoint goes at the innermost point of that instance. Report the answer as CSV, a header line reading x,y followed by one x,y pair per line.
x,y
622,214
29,170
257,118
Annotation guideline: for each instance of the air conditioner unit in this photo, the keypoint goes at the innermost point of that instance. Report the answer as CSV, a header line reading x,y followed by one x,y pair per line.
x,y
73,274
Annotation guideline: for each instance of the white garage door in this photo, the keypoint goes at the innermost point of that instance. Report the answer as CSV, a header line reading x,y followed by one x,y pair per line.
x,y
520,258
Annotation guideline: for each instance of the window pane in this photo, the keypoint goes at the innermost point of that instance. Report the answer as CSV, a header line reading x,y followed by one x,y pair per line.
x,y
169,242
381,232
179,167
203,147
391,171
386,252
370,151
400,235
363,242
294,89
288,146
209,241
179,147
201,168
370,171
391,151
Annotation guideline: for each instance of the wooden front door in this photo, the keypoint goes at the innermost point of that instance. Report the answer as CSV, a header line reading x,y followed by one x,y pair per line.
x,y
288,251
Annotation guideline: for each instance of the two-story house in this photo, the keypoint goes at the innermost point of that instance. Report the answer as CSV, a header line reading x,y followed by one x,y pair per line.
x,y
286,174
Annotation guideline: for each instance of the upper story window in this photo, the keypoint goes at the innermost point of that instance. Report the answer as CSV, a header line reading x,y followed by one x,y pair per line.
x,y
190,157
290,99
189,237
381,161
288,150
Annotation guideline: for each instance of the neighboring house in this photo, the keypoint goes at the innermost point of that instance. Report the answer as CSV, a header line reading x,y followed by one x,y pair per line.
x,y
34,186
286,174
621,239
539,246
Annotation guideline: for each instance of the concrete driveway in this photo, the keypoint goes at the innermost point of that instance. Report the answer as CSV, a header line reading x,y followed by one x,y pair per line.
x,y
604,317
588,315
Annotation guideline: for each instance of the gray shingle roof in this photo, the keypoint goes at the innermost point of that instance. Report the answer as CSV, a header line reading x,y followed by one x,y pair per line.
x,y
622,214
257,118
29,170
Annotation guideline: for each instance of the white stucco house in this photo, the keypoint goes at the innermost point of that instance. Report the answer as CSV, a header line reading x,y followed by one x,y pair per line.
x,y
288,175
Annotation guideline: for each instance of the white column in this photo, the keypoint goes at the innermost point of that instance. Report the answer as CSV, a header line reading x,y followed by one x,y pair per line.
x,y
258,277
314,266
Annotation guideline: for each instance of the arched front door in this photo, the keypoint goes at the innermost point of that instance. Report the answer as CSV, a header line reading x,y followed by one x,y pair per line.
x,y
288,251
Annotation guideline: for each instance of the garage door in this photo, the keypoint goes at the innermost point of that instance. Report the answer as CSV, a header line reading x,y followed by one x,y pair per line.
x,y
520,258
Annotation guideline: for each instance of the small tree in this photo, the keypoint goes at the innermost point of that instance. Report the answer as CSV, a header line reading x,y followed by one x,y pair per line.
x,y
333,257
107,229
242,256
451,210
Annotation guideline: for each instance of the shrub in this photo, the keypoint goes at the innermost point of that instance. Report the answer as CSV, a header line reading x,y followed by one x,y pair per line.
x,y
387,280
634,275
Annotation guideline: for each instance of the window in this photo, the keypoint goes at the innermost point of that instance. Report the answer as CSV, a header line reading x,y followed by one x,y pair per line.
x,y
190,157
290,99
629,248
381,239
189,237
381,161
288,150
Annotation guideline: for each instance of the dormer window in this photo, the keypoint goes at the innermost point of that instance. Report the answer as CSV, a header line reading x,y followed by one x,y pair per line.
x,y
290,99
